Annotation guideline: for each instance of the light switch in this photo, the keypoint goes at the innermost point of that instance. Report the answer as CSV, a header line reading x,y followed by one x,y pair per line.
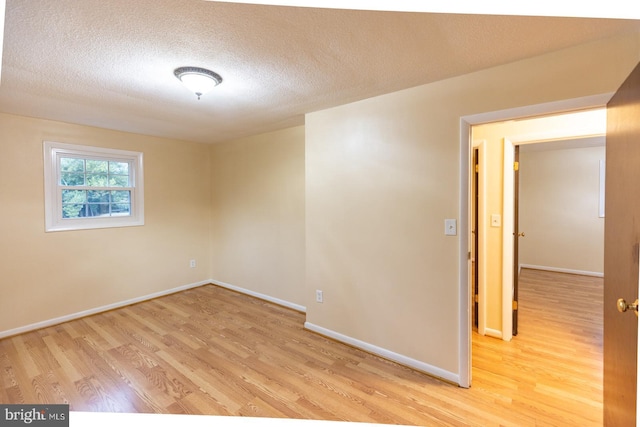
x,y
450,227
496,220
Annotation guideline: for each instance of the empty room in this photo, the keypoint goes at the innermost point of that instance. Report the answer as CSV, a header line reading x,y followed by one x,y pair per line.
x,y
293,239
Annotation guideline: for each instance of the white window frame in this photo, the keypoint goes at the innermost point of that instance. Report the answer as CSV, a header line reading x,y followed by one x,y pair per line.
x,y
54,221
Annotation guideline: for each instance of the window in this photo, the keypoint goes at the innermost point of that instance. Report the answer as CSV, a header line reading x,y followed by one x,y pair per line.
x,y
91,187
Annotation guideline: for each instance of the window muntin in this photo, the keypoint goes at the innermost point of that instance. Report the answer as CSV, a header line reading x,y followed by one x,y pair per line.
x,y
91,187
94,187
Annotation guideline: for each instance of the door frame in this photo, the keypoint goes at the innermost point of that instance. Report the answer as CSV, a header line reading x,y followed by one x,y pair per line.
x,y
465,241
508,221
508,240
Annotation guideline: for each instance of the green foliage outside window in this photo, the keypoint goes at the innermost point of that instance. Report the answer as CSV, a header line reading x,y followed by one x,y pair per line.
x,y
92,187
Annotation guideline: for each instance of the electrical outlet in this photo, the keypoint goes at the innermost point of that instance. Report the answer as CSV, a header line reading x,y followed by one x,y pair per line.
x,y
319,297
192,263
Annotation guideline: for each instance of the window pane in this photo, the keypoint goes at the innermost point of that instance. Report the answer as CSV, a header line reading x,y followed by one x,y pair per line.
x,y
118,180
92,187
71,179
97,209
73,196
97,166
68,164
119,168
73,211
120,209
121,197
97,180
98,196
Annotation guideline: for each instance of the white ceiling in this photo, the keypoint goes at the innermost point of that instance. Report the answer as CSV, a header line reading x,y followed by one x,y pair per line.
x,y
109,63
564,144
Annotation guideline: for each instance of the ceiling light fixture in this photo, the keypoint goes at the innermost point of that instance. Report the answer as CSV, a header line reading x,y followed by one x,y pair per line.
x,y
198,80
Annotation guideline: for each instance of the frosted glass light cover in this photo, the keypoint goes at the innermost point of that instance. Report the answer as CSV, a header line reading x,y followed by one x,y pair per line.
x,y
198,83
198,80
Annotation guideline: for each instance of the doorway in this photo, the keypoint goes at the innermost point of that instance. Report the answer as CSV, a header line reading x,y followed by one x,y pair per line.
x,y
466,241
536,154
573,221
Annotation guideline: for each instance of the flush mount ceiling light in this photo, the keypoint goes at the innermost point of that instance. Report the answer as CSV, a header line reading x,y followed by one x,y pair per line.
x,y
198,80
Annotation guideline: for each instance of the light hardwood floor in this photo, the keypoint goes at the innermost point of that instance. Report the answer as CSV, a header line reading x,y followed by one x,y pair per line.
x,y
212,351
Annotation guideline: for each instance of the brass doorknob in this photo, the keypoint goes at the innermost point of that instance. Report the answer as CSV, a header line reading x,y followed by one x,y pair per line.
x,y
624,306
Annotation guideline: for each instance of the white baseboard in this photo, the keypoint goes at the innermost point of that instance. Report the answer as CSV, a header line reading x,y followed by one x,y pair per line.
x,y
399,358
562,270
85,313
291,305
493,333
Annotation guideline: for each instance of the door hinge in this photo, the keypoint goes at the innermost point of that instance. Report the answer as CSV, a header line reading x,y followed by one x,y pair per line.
x,y
516,166
475,298
514,305
477,168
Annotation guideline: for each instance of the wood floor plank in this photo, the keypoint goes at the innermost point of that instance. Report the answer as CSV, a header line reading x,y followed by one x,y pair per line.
x,y
209,350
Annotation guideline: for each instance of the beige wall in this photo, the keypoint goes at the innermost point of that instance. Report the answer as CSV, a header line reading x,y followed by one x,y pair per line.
x,y
559,192
258,214
383,174
44,276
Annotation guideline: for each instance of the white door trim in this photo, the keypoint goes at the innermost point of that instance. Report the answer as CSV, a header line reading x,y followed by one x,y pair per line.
x,y
508,221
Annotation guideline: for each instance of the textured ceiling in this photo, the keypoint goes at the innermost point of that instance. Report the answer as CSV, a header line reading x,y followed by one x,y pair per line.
x,y
109,63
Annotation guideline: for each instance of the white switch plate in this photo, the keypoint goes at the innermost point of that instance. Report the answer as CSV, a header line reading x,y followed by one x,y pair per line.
x,y
496,220
450,227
